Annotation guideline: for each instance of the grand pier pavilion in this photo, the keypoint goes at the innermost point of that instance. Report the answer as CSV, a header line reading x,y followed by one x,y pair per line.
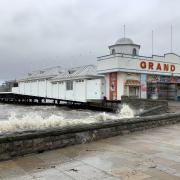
x,y
122,72
128,73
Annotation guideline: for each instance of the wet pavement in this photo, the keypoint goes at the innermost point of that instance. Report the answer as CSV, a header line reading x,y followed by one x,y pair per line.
x,y
174,106
150,155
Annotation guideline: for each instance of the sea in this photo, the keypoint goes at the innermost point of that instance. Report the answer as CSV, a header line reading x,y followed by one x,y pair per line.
x,y
15,118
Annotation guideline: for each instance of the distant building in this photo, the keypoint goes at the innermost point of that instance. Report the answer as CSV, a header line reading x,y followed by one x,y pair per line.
x,y
8,85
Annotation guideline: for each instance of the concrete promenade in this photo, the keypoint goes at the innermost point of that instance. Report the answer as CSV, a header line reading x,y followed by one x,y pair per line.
x,y
150,155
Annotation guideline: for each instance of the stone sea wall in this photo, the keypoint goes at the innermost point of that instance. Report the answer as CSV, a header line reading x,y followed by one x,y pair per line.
x,y
146,104
153,111
21,143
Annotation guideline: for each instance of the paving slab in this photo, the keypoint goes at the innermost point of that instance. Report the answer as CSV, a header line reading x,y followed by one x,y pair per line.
x,y
161,175
51,174
153,154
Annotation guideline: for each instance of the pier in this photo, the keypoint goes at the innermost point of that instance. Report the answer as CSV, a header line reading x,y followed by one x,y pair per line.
x,y
99,105
21,99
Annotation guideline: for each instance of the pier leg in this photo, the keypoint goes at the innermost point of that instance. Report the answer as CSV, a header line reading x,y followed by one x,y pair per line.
x,y
40,101
59,102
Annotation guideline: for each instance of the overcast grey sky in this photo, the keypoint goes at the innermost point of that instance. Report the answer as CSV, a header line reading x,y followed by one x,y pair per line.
x,y
37,34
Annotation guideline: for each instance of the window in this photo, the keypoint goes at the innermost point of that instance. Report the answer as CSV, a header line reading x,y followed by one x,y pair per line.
x,y
113,51
81,80
134,52
134,91
15,85
69,85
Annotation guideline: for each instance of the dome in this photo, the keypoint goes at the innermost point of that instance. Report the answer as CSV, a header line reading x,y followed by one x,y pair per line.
x,y
124,41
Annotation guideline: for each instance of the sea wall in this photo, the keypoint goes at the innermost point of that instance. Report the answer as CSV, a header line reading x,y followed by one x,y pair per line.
x,y
146,104
153,111
21,143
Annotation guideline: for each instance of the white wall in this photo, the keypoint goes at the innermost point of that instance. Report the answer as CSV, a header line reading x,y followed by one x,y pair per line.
x,y
42,91
15,90
44,88
126,49
121,78
125,63
21,87
62,90
95,89
34,88
79,91
69,95
49,89
55,90
27,87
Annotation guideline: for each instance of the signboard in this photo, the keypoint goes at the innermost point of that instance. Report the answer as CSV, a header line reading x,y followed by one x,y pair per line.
x,y
113,86
153,78
157,66
163,79
167,65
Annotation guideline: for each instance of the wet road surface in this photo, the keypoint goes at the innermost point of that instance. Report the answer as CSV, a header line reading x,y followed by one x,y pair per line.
x,y
150,155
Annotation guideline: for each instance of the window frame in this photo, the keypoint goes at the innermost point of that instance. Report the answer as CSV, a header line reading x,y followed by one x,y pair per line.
x,y
134,52
69,85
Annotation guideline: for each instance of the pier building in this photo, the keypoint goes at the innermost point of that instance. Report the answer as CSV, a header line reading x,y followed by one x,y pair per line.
x,y
123,72
127,73
38,82
80,84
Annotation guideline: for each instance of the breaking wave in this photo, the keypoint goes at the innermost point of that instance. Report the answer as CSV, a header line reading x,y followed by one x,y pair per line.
x,y
35,121
125,112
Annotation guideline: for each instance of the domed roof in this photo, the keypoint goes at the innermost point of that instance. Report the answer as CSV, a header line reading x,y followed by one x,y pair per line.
x,y
124,41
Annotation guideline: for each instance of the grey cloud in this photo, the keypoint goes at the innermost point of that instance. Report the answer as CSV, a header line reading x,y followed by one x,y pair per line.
x,y
36,34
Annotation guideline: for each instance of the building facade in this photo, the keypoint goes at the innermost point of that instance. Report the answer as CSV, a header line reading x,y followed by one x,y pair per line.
x,y
127,73
80,84
121,73
8,85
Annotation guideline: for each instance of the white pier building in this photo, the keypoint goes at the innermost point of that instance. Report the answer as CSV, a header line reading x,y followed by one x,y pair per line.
x,y
127,73
122,72
80,84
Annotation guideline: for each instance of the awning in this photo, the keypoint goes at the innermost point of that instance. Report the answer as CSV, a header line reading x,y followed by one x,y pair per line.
x,y
132,83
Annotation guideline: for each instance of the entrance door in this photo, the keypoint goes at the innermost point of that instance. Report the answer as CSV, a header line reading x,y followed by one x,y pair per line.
x,y
167,91
164,91
134,91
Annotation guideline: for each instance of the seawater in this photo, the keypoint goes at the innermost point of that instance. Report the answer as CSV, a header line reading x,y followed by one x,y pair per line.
x,y
15,118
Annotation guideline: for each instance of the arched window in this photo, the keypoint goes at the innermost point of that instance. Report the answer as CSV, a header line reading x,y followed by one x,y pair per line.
x,y
113,51
134,52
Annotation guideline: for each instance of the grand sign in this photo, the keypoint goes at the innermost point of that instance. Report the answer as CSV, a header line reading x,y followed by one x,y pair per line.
x,y
164,67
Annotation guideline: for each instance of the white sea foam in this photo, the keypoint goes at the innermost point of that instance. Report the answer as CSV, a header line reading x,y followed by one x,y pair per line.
x,y
124,112
35,120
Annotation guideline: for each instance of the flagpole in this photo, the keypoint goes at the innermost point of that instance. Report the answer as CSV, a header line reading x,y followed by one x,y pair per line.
x,y
171,50
124,30
152,42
